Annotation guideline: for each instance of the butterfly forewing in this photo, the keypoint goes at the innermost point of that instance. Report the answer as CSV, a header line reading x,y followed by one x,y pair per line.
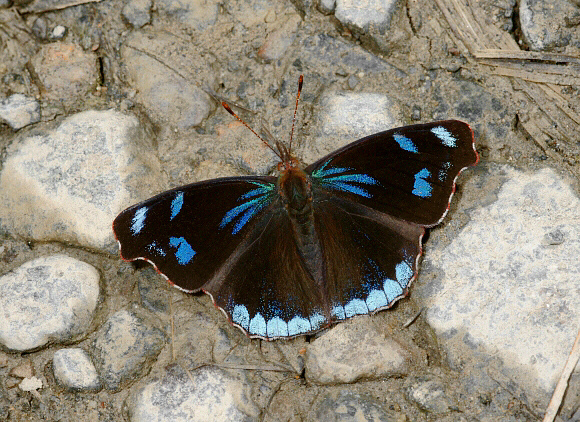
x,y
408,173
189,232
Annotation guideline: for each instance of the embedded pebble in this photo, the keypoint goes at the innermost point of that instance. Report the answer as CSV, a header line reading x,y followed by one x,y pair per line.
x,y
70,183
348,116
19,111
125,347
352,351
30,384
362,16
326,6
278,41
544,23
74,370
58,32
168,97
66,71
527,289
47,300
430,395
197,14
329,54
206,394
346,405
137,12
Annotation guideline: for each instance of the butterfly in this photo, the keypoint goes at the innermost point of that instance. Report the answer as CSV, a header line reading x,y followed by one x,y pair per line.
x,y
289,255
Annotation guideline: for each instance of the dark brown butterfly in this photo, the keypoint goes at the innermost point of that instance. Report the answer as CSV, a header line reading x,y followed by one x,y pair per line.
x,y
289,255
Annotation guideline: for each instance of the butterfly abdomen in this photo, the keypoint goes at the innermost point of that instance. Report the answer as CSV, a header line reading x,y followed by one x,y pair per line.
x,y
295,190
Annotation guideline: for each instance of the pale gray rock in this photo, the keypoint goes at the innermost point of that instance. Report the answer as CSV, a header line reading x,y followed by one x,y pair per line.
x,y
19,111
278,41
67,72
544,23
137,12
507,285
326,6
198,14
430,395
47,300
70,183
365,15
352,351
168,97
125,348
349,406
74,370
206,394
348,116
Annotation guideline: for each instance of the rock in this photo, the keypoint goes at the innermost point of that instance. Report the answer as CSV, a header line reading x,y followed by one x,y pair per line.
x,y
349,406
348,116
47,300
125,348
519,303
205,395
74,370
197,14
67,72
544,25
366,15
353,351
137,12
69,184
19,111
430,395
278,41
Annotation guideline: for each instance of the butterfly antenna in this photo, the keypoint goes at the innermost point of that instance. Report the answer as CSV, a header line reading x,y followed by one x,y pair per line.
x,y
229,110
300,81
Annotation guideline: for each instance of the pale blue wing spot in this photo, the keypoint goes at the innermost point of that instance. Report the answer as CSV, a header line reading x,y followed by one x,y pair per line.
x,y
258,325
338,312
234,212
445,136
404,273
355,307
392,289
349,188
262,197
277,327
405,143
376,299
317,320
298,325
257,207
184,252
176,205
354,178
422,187
138,221
154,248
343,182
241,316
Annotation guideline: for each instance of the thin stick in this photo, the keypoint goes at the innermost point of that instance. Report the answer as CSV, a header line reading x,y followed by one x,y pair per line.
x,y
556,400
229,110
300,81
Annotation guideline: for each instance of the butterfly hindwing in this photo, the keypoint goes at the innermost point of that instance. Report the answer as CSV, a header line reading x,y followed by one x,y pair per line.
x,y
265,287
408,173
370,258
189,232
